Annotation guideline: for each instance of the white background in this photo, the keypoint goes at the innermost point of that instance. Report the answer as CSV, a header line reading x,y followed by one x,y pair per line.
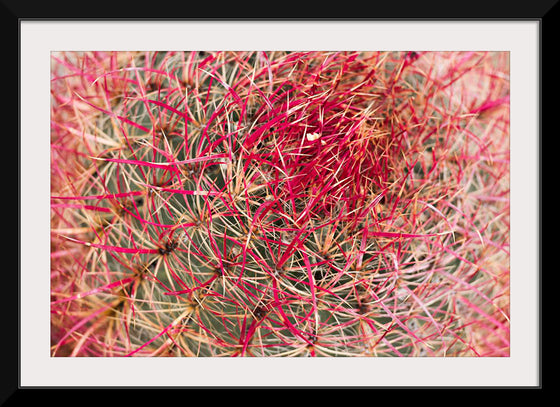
x,y
39,38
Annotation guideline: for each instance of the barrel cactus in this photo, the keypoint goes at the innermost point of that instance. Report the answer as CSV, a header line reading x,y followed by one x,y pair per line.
x,y
287,204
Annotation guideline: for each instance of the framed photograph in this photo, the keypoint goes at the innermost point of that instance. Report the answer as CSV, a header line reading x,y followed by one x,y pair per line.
x,y
297,203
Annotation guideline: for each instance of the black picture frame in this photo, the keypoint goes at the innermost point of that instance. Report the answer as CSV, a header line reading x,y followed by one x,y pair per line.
x,y
14,12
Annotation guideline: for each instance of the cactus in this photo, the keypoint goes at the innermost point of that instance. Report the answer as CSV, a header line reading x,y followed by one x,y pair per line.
x,y
280,204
